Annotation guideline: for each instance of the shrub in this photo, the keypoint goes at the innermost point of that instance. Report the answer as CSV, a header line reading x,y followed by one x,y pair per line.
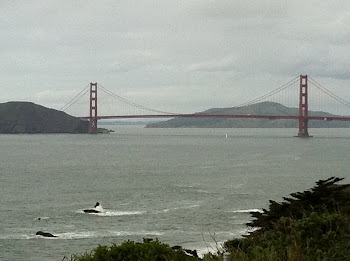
x,y
131,251
316,237
325,197
312,225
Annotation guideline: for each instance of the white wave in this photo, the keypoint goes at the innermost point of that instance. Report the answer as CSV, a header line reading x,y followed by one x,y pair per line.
x,y
77,235
247,210
203,191
136,233
99,208
82,235
17,236
24,236
210,248
113,213
121,213
188,207
110,233
41,218
186,186
162,211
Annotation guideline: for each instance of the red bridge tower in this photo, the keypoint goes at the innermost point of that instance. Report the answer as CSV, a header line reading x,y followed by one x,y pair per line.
x,y
93,108
303,108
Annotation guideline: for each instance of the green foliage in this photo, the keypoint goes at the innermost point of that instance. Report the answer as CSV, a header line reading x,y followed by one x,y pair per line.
x,y
326,197
313,225
316,237
130,251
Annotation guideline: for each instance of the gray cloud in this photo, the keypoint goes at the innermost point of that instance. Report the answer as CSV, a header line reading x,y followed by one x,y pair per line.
x,y
197,53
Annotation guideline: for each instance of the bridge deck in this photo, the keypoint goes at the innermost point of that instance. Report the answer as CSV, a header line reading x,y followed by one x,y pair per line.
x,y
244,116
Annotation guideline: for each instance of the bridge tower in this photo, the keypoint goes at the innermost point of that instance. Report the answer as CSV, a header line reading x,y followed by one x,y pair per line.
x,y
93,108
303,108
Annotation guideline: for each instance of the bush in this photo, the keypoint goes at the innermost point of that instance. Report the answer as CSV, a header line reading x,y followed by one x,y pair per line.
x,y
316,237
313,225
131,251
326,197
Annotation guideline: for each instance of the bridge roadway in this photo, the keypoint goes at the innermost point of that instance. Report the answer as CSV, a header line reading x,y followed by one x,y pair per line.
x,y
241,116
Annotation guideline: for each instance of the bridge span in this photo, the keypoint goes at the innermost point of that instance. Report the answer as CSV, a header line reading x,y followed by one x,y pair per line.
x,y
303,116
228,116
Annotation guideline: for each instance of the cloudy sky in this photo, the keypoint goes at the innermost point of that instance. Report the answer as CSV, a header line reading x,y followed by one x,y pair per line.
x,y
181,56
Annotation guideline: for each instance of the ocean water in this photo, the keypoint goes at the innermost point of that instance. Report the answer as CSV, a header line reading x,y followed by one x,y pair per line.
x,y
189,187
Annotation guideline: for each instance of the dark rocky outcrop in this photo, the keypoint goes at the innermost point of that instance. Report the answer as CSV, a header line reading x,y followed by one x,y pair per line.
x,y
44,234
27,117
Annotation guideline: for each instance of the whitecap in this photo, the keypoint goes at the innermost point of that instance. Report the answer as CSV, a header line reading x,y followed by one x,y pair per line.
x,y
247,210
41,218
136,233
17,236
188,207
112,213
121,213
161,211
203,191
109,233
77,235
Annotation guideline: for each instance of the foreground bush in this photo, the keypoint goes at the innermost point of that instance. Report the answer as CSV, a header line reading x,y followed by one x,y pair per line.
x,y
326,196
316,237
312,225
131,251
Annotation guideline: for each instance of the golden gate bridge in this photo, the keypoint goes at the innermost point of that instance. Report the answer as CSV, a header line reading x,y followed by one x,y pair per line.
x,y
141,112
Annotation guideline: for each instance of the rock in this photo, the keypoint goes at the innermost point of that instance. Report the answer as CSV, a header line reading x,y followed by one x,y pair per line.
x,y
44,234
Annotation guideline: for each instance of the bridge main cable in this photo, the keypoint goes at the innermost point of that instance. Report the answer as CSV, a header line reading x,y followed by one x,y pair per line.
x,y
132,103
279,89
76,98
329,93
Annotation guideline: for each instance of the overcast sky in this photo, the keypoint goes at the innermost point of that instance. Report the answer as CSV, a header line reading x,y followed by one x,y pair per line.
x,y
180,56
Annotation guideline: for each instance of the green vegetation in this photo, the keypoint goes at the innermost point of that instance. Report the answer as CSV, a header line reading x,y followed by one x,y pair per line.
x,y
311,225
130,251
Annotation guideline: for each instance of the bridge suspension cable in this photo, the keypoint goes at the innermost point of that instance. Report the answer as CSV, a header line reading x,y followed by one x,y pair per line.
x,y
112,94
328,92
267,95
76,98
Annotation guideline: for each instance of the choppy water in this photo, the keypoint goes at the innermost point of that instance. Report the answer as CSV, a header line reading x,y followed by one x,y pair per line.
x,y
188,187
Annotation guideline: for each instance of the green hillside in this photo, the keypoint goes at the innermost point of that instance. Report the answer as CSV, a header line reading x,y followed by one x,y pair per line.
x,y
264,108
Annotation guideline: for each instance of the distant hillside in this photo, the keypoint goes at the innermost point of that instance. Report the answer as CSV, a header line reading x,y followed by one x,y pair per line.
x,y
27,117
264,108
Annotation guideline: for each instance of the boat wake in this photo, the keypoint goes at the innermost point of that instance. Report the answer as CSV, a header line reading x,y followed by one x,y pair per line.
x,y
84,235
246,210
114,213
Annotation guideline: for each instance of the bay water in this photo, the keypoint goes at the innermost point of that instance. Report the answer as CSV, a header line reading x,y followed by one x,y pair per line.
x,y
188,187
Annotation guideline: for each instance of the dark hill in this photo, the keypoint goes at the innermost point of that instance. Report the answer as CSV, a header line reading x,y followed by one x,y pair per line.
x,y
27,117
264,108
